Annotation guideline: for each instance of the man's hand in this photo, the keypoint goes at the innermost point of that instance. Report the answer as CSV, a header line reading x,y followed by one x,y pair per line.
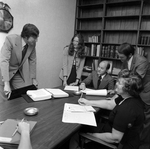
x,y
34,82
23,127
83,101
82,86
7,89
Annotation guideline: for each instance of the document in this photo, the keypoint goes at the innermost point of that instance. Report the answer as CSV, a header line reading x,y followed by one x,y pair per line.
x,y
7,129
71,88
57,93
100,92
38,95
79,115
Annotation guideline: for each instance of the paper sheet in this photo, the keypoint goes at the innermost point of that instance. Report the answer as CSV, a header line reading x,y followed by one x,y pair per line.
x,y
100,92
71,88
86,118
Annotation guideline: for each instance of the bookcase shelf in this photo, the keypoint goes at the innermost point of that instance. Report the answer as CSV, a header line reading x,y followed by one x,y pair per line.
x,y
105,24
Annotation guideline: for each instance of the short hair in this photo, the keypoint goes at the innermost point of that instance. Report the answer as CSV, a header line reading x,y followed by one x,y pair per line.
x,y
124,73
108,66
126,49
133,85
30,30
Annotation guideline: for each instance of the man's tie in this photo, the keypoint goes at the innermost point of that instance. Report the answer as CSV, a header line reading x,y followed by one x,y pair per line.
x,y
99,81
24,51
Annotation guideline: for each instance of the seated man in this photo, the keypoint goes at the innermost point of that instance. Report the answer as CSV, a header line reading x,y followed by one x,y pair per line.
x,y
100,79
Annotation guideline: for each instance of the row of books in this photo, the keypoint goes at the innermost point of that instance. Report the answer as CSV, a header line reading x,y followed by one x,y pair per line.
x,y
94,38
87,13
120,38
141,51
145,24
90,25
123,10
122,24
94,50
144,40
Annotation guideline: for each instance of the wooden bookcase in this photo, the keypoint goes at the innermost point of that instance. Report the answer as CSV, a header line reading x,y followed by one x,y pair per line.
x,y
105,24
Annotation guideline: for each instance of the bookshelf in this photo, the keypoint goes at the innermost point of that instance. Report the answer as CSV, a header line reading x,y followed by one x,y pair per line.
x,y
105,24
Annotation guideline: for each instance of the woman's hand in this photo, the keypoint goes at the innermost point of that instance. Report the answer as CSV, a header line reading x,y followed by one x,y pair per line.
x,y
83,101
23,127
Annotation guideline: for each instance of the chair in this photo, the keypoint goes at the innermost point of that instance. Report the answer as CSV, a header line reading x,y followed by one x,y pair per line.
x,y
92,138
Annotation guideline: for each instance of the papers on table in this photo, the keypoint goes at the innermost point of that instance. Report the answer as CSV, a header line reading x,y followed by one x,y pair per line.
x,y
71,88
44,94
57,93
74,113
40,94
100,92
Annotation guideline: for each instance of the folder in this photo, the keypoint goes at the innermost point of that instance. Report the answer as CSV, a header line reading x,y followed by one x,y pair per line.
x,y
7,129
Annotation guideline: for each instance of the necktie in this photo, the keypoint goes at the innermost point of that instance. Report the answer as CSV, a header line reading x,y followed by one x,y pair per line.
x,y
24,51
99,81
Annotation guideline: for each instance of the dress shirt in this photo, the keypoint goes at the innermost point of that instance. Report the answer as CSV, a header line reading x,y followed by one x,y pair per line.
x,y
129,62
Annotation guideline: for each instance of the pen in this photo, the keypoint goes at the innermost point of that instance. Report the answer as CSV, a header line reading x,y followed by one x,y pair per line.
x,y
17,128
81,95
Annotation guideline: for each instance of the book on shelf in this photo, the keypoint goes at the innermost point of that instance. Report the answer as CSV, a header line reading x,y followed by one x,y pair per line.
x,y
8,128
98,50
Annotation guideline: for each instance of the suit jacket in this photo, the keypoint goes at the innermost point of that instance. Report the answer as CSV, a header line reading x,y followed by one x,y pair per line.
x,y
106,83
11,58
141,66
68,62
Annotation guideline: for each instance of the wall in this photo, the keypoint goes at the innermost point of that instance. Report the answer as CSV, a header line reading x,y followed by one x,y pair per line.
x,y
55,20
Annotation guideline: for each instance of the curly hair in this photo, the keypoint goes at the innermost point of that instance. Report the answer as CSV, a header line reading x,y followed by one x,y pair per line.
x,y
81,47
133,85
124,73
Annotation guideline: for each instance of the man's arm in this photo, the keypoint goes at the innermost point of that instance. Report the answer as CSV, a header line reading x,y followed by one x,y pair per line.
x,y
24,129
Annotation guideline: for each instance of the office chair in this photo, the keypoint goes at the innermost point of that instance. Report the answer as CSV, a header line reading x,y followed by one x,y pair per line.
x,y
92,138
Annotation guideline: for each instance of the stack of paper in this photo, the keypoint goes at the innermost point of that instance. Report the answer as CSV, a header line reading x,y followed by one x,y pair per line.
x,y
40,94
74,113
57,93
71,88
100,92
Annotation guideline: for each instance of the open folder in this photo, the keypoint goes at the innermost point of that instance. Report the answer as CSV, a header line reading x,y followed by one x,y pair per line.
x,y
8,128
46,93
74,113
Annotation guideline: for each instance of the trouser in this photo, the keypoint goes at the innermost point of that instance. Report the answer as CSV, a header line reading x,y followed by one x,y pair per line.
x,y
15,83
145,135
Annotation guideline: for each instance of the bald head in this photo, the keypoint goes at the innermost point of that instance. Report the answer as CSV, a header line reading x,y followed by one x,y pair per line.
x,y
103,67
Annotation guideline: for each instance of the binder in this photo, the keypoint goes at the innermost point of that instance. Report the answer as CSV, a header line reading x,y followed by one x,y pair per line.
x,y
8,128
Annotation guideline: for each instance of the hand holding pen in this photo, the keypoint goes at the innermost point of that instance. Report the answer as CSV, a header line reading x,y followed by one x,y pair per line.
x,y
17,128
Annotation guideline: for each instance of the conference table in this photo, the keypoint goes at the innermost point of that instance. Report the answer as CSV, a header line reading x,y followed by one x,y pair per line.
x,y
50,132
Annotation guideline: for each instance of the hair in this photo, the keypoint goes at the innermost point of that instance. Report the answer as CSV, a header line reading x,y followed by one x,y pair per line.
x,y
30,30
81,47
126,49
124,73
133,85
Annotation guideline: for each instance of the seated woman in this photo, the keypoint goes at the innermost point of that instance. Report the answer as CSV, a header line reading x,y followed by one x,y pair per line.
x,y
126,118
73,61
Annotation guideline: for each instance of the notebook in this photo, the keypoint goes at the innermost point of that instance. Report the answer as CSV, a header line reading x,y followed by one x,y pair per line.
x,y
8,128
57,93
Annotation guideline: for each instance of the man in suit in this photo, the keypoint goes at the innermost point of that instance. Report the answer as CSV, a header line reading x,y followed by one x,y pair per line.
x,y
138,64
100,79
15,51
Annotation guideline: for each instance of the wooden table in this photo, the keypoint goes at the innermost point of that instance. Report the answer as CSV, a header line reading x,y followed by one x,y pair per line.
x,y
50,132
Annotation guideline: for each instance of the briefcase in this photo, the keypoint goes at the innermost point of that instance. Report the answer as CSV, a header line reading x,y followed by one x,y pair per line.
x,y
18,92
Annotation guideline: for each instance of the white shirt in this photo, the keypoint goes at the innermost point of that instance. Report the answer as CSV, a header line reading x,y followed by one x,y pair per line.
x,y
129,62
23,44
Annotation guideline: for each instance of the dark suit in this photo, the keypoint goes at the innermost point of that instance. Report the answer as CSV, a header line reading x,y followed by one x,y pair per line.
x,y
106,83
11,62
141,66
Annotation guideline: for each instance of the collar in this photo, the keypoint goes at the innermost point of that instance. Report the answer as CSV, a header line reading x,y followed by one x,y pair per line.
x,y
103,76
129,62
23,42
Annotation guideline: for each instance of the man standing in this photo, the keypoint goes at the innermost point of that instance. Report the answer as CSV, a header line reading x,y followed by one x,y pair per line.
x,y
138,64
100,79
15,51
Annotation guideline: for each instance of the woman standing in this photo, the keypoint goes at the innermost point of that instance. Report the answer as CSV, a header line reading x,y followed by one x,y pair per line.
x,y
73,61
